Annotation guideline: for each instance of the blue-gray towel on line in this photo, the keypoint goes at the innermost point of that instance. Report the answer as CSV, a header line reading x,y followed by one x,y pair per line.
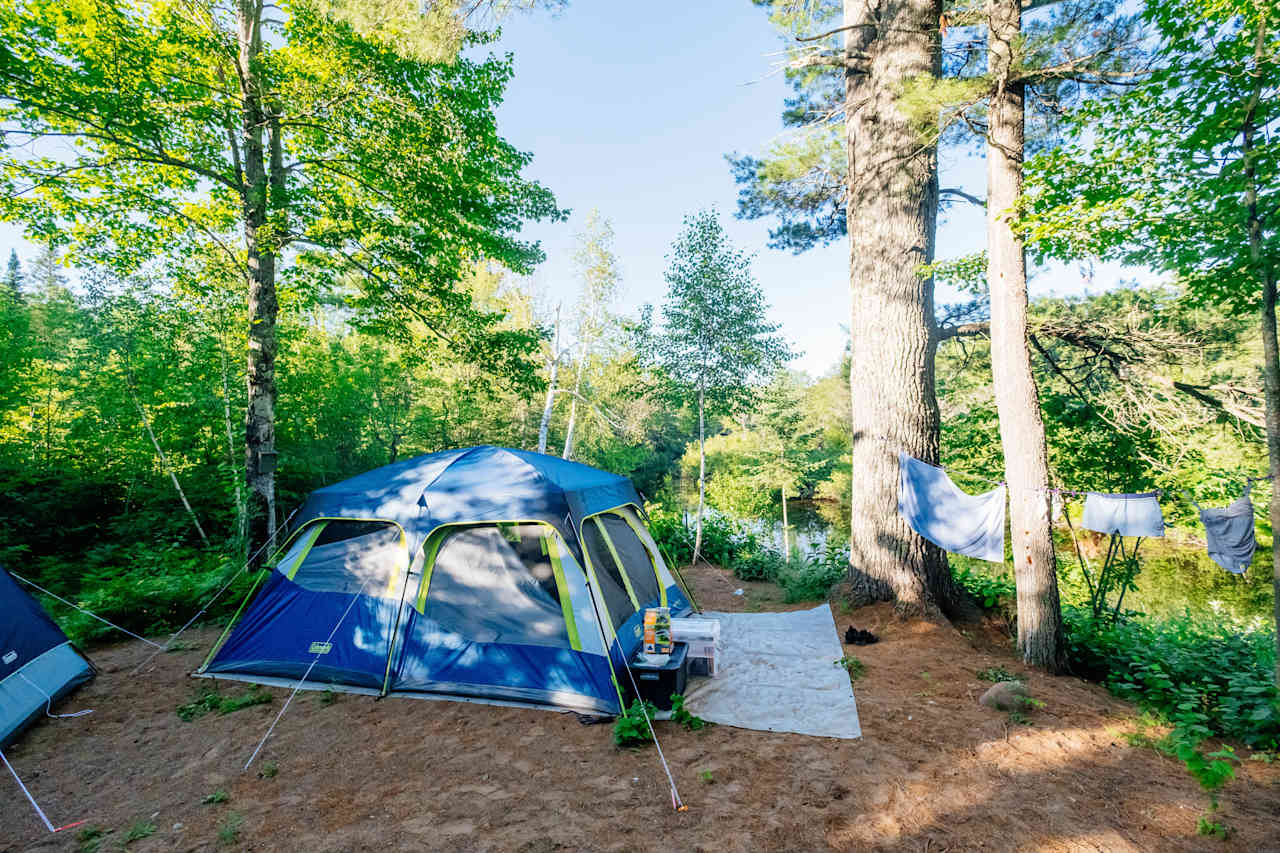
x,y
1128,515
935,508
1229,531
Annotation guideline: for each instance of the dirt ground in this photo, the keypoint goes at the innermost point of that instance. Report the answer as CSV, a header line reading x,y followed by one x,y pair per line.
x,y
933,771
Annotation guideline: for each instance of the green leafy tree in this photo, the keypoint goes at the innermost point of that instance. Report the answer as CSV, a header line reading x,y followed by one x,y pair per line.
x,y
13,275
786,454
716,347
1182,172
304,148
598,267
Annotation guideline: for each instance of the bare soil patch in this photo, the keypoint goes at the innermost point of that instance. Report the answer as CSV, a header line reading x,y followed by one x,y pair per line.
x,y
934,770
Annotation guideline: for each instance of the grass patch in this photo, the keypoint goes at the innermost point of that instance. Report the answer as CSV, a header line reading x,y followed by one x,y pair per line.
x,y
207,700
89,839
270,770
996,674
229,828
218,796
853,666
139,830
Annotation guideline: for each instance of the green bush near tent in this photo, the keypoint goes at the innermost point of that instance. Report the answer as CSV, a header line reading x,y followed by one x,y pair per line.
x,y
1206,676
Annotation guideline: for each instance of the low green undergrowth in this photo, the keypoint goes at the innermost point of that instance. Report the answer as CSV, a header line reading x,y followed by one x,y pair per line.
x,y
208,700
733,545
631,729
681,716
1206,676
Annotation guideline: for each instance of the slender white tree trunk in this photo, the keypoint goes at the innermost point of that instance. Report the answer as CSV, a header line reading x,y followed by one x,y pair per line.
x,y
549,404
702,476
164,463
573,406
786,528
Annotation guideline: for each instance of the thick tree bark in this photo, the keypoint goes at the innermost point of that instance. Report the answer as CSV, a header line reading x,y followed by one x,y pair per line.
x,y
1265,269
262,304
1017,400
554,370
702,477
892,211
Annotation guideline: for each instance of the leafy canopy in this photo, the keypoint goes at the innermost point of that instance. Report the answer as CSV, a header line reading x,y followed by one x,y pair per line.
x,y
715,340
1158,175
121,123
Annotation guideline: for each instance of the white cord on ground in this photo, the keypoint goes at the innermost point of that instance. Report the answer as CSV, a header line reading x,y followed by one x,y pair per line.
x,y
302,680
48,701
676,802
30,798
82,610
210,602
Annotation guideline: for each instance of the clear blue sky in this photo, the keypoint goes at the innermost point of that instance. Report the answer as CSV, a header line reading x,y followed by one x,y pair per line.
x,y
631,108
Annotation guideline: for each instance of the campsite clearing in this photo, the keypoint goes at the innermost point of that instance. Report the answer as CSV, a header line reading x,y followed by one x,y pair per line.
x,y
934,770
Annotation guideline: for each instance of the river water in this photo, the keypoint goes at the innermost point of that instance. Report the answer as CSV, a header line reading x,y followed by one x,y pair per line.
x,y
1176,575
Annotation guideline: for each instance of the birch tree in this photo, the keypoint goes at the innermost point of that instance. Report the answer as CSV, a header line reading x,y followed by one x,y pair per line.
x,y
598,268
715,347
295,139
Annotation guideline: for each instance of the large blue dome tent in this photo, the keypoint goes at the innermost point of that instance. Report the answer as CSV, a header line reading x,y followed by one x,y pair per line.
x,y
38,664
483,574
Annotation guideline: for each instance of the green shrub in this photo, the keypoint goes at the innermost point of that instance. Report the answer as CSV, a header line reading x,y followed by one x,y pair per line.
x,y
680,715
1207,675
229,829
631,729
853,666
807,578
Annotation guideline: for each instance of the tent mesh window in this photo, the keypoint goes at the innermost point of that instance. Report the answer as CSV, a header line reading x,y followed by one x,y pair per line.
x,y
635,557
494,584
351,556
608,575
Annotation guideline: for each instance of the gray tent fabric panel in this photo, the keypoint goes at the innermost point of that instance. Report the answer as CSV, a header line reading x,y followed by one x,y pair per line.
x,y
24,694
607,575
635,559
482,591
348,565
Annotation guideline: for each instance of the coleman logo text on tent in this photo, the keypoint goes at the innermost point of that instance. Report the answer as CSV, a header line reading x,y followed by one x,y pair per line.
x,y
319,648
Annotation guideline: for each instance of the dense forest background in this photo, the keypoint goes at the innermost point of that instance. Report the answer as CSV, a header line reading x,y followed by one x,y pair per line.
x,y
121,400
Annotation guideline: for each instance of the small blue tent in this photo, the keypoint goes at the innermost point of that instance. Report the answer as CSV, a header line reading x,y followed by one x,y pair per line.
x,y
483,574
38,664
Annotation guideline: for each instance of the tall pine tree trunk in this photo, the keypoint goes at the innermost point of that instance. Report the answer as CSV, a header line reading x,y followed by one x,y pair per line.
x,y
702,477
1265,269
1021,425
554,370
260,430
892,211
